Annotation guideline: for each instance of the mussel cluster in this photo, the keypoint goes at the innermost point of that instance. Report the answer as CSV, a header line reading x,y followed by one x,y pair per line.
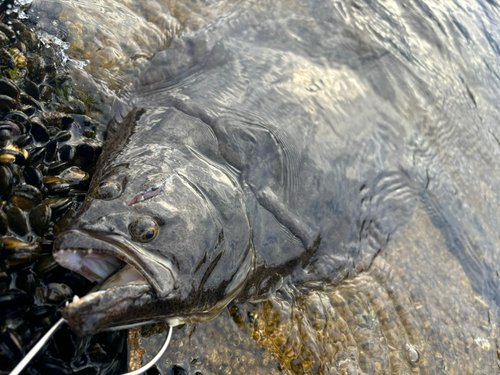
x,y
48,148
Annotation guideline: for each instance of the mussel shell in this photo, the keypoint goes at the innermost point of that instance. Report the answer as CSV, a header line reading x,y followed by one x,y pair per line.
x,y
28,109
57,167
66,153
4,281
27,280
19,154
11,349
33,176
7,103
50,365
40,132
28,100
24,140
45,265
19,252
4,223
50,150
14,129
85,154
40,218
74,175
58,205
36,155
17,222
57,292
31,89
9,88
56,185
5,180
7,158
26,197
13,303
63,136
20,118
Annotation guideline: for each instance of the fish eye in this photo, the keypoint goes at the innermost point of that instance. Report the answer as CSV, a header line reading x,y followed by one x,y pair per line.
x,y
143,229
107,190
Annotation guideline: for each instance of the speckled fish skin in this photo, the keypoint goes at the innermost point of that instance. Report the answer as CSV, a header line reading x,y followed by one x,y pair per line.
x,y
305,143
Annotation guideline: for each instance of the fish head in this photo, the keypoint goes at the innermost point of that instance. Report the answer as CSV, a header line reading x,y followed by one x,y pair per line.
x,y
177,242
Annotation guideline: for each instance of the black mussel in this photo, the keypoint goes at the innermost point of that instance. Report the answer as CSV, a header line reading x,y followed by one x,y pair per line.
x,y
19,252
5,135
57,167
4,223
63,136
66,153
58,205
24,140
20,118
4,282
13,303
74,175
5,180
15,169
28,109
79,195
40,218
85,154
17,222
11,349
51,150
28,100
50,365
39,132
33,176
19,153
45,265
7,159
31,89
27,280
7,103
6,60
9,32
9,88
13,128
56,185
36,156
41,315
26,197
57,292
46,245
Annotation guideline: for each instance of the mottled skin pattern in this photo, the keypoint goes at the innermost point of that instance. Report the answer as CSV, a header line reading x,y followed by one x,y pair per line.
x,y
336,160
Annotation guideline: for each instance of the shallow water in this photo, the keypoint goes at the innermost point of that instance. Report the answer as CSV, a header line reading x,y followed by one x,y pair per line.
x,y
372,125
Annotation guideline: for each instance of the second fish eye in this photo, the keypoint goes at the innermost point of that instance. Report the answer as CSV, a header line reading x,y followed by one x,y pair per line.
x,y
107,190
143,229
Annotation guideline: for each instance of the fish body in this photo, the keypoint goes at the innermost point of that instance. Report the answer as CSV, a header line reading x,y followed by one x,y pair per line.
x,y
275,148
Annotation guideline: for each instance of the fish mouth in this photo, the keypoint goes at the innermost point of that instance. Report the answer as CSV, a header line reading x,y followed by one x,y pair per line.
x,y
130,280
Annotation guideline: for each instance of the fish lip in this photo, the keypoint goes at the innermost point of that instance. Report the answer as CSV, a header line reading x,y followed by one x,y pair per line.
x,y
149,265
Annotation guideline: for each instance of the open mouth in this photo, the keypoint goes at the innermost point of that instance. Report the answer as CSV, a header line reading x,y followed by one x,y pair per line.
x,y
96,263
130,280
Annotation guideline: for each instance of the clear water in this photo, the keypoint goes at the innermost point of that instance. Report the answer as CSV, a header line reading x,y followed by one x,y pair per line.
x,y
370,125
